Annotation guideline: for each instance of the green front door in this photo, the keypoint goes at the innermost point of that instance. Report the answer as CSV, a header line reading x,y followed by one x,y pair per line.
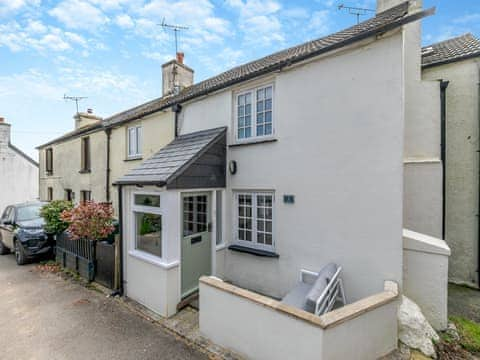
x,y
196,242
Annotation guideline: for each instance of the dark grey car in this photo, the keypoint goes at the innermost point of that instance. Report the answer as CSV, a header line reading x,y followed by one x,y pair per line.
x,y
21,231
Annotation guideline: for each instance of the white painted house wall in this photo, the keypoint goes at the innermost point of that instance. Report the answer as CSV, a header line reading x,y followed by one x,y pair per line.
x,y
425,275
343,164
18,174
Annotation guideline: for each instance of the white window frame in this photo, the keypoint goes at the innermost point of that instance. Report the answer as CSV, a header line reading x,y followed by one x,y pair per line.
x,y
253,244
155,259
253,96
138,141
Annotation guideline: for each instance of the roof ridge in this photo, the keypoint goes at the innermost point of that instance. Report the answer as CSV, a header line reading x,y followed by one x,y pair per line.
x,y
464,35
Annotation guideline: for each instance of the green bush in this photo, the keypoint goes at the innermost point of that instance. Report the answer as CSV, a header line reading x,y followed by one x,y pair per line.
x,y
51,213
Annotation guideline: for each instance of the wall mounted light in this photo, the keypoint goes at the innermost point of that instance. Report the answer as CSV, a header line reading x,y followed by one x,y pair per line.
x,y
232,167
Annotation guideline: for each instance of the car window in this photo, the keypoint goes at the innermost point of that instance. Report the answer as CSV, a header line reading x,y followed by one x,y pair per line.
x,y
30,212
6,214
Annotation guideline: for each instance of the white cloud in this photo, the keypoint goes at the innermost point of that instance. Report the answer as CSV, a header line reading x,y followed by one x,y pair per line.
x,y
124,21
319,23
75,38
77,14
12,6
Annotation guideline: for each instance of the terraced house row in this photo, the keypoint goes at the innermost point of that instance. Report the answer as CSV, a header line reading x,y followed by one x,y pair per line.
x,y
321,153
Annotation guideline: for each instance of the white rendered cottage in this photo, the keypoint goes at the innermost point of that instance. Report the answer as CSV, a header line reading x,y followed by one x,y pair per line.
x,y
313,141
18,171
289,162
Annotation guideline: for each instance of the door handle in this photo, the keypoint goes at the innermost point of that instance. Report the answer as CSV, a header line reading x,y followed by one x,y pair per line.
x,y
195,240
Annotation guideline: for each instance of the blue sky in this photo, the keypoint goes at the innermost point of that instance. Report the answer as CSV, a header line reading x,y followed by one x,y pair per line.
x,y
112,50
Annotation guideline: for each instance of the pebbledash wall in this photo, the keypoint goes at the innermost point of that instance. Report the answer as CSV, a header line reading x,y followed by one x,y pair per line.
x,y
18,172
343,165
462,169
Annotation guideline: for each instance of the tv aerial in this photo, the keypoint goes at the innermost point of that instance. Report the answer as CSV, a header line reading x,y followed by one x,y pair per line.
x,y
74,98
357,11
175,29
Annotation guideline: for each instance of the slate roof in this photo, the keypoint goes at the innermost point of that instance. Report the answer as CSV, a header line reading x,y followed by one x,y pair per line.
x,y
382,22
169,162
456,49
84,130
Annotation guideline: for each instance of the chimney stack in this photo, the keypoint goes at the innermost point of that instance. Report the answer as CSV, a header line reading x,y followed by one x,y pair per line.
x,y
4,134
383,5
176,75
85,118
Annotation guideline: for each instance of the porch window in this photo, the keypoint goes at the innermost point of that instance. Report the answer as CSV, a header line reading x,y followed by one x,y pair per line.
x,y
255,219
148,233
194,214
134,141
254,113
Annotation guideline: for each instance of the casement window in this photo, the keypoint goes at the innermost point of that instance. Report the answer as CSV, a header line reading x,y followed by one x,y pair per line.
x,y
254,219
147,219
85,195
254,113
134,141
85,158
49,161
49,193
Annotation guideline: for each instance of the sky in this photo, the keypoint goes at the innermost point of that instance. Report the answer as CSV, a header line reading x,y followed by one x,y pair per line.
x,y
111,51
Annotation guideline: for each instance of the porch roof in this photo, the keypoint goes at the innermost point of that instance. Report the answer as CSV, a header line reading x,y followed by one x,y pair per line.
x,y
204,150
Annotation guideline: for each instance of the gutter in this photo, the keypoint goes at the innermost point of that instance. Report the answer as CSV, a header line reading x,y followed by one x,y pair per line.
x,y
108,170
443,146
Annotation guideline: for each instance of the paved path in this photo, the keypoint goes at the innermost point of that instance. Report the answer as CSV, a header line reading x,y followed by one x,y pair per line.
x,y
464,302
45,317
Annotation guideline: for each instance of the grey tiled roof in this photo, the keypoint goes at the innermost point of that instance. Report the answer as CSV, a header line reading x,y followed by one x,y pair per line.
x,y
84,130
458,48
382,22
169,162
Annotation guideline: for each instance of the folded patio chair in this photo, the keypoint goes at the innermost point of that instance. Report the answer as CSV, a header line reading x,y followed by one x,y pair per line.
x,y
317,292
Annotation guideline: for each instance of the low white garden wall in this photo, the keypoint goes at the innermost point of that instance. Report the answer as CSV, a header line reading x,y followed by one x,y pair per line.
x,y
425,275
259,327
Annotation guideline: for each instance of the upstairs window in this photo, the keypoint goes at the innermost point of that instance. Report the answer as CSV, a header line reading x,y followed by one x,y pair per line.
x,y
254,113
134,141
49,161
85,158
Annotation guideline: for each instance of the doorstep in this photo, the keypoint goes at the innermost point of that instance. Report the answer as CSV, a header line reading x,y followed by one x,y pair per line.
x,y
185,325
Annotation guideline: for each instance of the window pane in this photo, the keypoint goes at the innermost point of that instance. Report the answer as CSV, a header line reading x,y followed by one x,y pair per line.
x,y
260,131
139,141
260,94
131,141
147,200
260,118
268,104
248,98
268,92
248,120
241,111
241,133
248,132
241,100
259,106
248,236
268,117
149,233
268,129
268,239
248,109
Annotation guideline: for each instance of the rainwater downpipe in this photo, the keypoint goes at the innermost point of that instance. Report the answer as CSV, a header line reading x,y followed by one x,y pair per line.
x,y
120,216
107,175
177,108
443,147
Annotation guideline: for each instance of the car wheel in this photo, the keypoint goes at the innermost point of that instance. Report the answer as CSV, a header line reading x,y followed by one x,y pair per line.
x,y
3,249
20,253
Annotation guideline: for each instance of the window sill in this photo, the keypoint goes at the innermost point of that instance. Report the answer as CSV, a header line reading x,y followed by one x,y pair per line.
x,y
49,173
151,259
220,247
85,171
253,251
133,158
253,142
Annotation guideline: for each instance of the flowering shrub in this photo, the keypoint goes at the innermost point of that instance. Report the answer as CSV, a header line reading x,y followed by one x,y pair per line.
x,y
51,212
89,220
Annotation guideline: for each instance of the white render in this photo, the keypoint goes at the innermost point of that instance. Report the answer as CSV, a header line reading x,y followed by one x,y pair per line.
x,y
425,275
342,163
261,332
18,172
462,167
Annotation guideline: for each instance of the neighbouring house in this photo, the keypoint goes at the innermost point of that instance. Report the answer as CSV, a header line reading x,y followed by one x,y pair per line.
x,y
455,65
18,171
73,166
269,173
